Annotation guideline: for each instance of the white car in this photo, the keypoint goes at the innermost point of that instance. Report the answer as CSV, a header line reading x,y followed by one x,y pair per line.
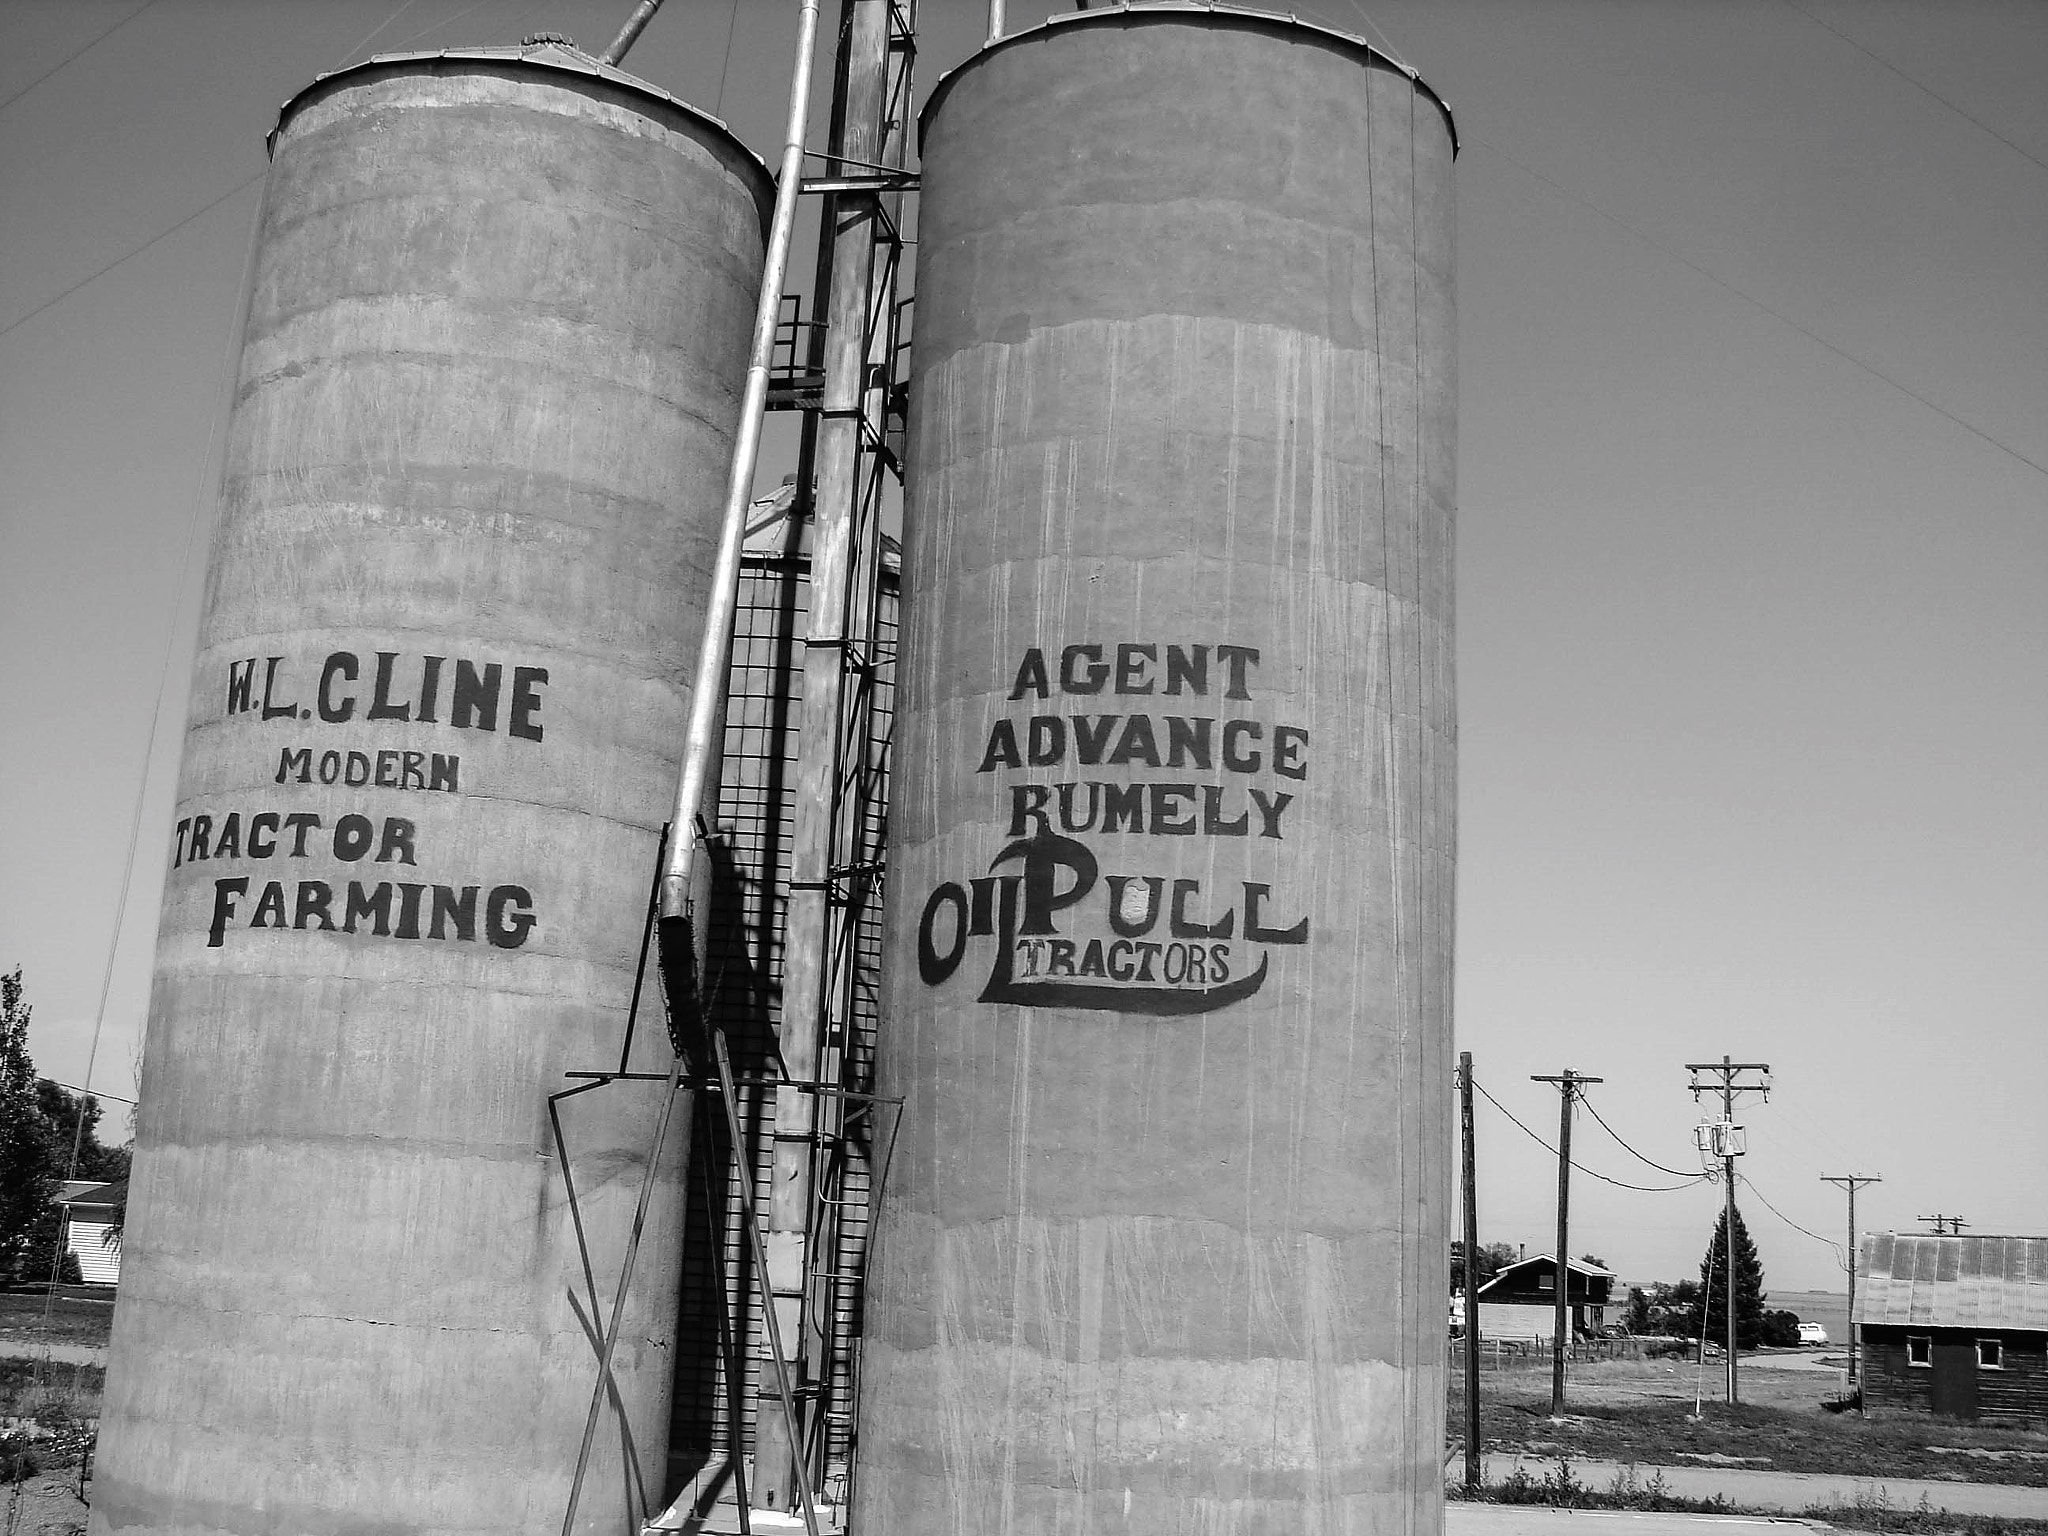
x,y
1812,1333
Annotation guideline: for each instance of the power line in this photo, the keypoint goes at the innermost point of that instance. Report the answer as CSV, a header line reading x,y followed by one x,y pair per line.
x,y
1676,1173
94,276
75,53
1546,1146
1748,298
732,25
450,21
349,57
1750,1185
1918,85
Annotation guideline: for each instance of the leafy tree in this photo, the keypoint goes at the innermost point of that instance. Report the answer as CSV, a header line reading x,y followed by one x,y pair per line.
x,y
1493,1258
1667,1310
26,1181
65,1110
1749,1286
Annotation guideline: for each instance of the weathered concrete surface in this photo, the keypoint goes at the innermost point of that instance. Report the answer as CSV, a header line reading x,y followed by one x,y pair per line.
x,y
1163,1242
488,386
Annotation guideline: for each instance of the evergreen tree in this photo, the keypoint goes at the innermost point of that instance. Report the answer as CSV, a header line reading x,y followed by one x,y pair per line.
x,y
26,1182
1749,1286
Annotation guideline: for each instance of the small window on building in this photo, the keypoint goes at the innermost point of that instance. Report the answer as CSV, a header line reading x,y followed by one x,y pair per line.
x,y
1990,1355
1919,1349
1546,1282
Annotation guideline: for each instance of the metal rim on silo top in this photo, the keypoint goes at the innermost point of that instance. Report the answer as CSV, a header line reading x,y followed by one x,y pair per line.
x,y
1140,12
551,61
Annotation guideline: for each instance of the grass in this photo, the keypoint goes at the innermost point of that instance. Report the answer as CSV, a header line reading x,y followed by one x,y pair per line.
x,y
76,1315
1630,1490
1640,1413
61,1402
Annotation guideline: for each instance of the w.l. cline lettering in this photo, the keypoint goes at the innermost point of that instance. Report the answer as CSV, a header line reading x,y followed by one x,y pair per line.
x,y
407,688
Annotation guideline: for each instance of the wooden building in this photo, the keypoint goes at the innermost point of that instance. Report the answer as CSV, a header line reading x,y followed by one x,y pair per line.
x,y
1521,1301
90,1209
1955,1325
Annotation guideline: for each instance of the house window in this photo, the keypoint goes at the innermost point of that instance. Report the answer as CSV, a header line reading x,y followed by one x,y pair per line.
x,y
1919,1349
1990,1355
1546,1282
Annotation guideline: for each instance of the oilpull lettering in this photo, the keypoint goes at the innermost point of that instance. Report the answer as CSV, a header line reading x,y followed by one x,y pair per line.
x,y
387,685
1043,954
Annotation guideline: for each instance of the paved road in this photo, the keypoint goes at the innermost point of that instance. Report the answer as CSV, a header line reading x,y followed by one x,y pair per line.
x,y
1794,1491
69,1354
1537,1520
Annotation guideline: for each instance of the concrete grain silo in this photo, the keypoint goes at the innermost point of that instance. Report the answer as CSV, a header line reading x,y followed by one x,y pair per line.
x,y
1163,1246
489,382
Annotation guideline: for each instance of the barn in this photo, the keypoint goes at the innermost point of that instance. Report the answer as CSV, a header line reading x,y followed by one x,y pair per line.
x,y
1521,1301
1955,1325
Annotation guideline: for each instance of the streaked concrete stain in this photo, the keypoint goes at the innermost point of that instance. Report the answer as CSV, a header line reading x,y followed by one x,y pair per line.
x,y
1182,374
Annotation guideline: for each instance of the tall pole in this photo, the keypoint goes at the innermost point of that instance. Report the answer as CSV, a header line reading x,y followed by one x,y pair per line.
x,y
1471,1183
1728,1229
1852,1182
630,32
714,654
1730,1072
1568,1084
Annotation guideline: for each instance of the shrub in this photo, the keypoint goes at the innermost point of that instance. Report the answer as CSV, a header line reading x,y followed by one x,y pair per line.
x,y
1781,1329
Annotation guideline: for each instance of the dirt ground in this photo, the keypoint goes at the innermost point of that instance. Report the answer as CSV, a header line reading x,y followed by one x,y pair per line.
x,y
43,1506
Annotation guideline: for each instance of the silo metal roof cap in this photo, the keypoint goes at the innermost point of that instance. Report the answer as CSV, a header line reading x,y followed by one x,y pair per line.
x,y
544,54
1140,11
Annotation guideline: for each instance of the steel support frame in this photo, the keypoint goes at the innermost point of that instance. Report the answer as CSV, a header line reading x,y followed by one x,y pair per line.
x,y
836,855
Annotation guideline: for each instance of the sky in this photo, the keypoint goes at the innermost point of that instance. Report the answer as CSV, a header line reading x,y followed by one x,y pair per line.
x,y
1752,554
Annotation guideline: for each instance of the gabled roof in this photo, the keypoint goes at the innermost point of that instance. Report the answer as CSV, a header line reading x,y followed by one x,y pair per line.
x,y
80,1193
1574,1266
1919,1280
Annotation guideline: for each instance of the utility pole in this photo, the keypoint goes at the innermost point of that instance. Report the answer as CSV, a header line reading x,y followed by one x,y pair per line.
x,y
1730,1073
1471,1183
1852,1182
1951,1226
1568,1084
